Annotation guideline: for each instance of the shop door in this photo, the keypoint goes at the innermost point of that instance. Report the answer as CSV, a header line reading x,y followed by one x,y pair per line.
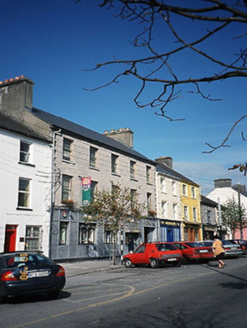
x,y
170,235
191,232
10,238
148,235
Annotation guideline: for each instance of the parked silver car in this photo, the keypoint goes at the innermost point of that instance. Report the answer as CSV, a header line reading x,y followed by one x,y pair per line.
x,y
231,250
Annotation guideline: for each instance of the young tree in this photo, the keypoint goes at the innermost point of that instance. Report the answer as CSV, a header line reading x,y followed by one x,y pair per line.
x,y
171,30
114,209
234,216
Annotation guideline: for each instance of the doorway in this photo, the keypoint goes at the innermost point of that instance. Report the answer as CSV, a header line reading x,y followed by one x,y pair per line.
x,y
10,238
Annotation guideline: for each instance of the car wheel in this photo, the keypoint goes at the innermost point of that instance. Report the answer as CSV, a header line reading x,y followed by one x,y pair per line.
x,y
128,263
154,264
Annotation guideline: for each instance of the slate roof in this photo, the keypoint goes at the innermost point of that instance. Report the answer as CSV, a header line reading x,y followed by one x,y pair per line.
x,y
13,125
162,168
207,201
87,134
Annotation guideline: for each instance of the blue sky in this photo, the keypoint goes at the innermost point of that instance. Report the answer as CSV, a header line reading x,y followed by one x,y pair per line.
x,y
53,42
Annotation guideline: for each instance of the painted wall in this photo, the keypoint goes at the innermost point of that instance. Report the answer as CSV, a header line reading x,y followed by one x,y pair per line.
x,y
39,172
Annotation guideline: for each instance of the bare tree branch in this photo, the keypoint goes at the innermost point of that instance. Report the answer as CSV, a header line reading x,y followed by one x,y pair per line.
x,y
223,144
157,67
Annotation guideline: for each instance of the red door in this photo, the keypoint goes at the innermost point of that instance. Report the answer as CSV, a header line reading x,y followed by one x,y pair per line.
x,y
10,238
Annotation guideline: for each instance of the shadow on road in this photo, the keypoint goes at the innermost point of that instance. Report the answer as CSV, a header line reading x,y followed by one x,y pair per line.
x,y
35,298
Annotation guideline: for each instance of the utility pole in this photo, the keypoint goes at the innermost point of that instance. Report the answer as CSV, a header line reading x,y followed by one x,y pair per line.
x,y
220,220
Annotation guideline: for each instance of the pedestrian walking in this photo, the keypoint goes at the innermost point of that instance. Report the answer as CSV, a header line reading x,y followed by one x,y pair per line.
x,y
130,245
219,252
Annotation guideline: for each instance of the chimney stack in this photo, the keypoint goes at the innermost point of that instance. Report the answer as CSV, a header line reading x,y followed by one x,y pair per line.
x,y
164,160
223,183
124,135
15,95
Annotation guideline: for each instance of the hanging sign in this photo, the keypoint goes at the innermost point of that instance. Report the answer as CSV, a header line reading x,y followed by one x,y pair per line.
x,y
86,190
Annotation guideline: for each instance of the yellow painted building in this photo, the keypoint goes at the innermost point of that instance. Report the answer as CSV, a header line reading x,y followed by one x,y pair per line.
x,y
191,229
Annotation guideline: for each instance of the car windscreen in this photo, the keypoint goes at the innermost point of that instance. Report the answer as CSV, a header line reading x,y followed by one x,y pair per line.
x,y
165,247
195,244
17,260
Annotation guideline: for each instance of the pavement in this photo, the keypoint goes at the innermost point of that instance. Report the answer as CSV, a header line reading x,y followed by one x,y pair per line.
x,y
78,268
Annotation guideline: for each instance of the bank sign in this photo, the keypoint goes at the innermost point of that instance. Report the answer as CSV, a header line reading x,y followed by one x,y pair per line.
x,y
86,190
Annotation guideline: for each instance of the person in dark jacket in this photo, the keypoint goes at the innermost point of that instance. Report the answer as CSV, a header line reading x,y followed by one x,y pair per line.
x,y
130,245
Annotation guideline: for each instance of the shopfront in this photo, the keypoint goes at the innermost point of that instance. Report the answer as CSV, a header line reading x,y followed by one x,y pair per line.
x,y
170,230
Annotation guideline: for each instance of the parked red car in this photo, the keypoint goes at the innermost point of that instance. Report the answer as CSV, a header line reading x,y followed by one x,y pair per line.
x,y
154,254
193,250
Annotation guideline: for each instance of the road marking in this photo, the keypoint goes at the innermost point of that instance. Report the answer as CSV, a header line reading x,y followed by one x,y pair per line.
x,y
130,293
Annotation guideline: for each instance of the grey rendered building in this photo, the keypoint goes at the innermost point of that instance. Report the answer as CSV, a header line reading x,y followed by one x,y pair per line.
x,y
82,161
209,210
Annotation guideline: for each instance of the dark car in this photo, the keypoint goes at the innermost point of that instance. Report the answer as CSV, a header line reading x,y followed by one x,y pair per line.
x,y
193,250
154,255
241,242
29,273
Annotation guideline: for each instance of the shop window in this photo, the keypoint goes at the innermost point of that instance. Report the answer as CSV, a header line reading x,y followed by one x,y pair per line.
x,y
33,238
63,233
108,236
86,233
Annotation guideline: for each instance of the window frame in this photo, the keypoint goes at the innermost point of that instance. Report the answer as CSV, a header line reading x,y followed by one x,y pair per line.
x,y
194,214
114,163
25,193
33,237
163,185
108,236
93,157
148,174
86,233
164,209
149,201
67,149
184,190
132,170
25,153
174,188
175,210
193,192
66,190
94,188
186,212
63,225
208,216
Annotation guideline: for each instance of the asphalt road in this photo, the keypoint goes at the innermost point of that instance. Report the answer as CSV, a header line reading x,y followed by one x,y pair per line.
x,y
200,296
